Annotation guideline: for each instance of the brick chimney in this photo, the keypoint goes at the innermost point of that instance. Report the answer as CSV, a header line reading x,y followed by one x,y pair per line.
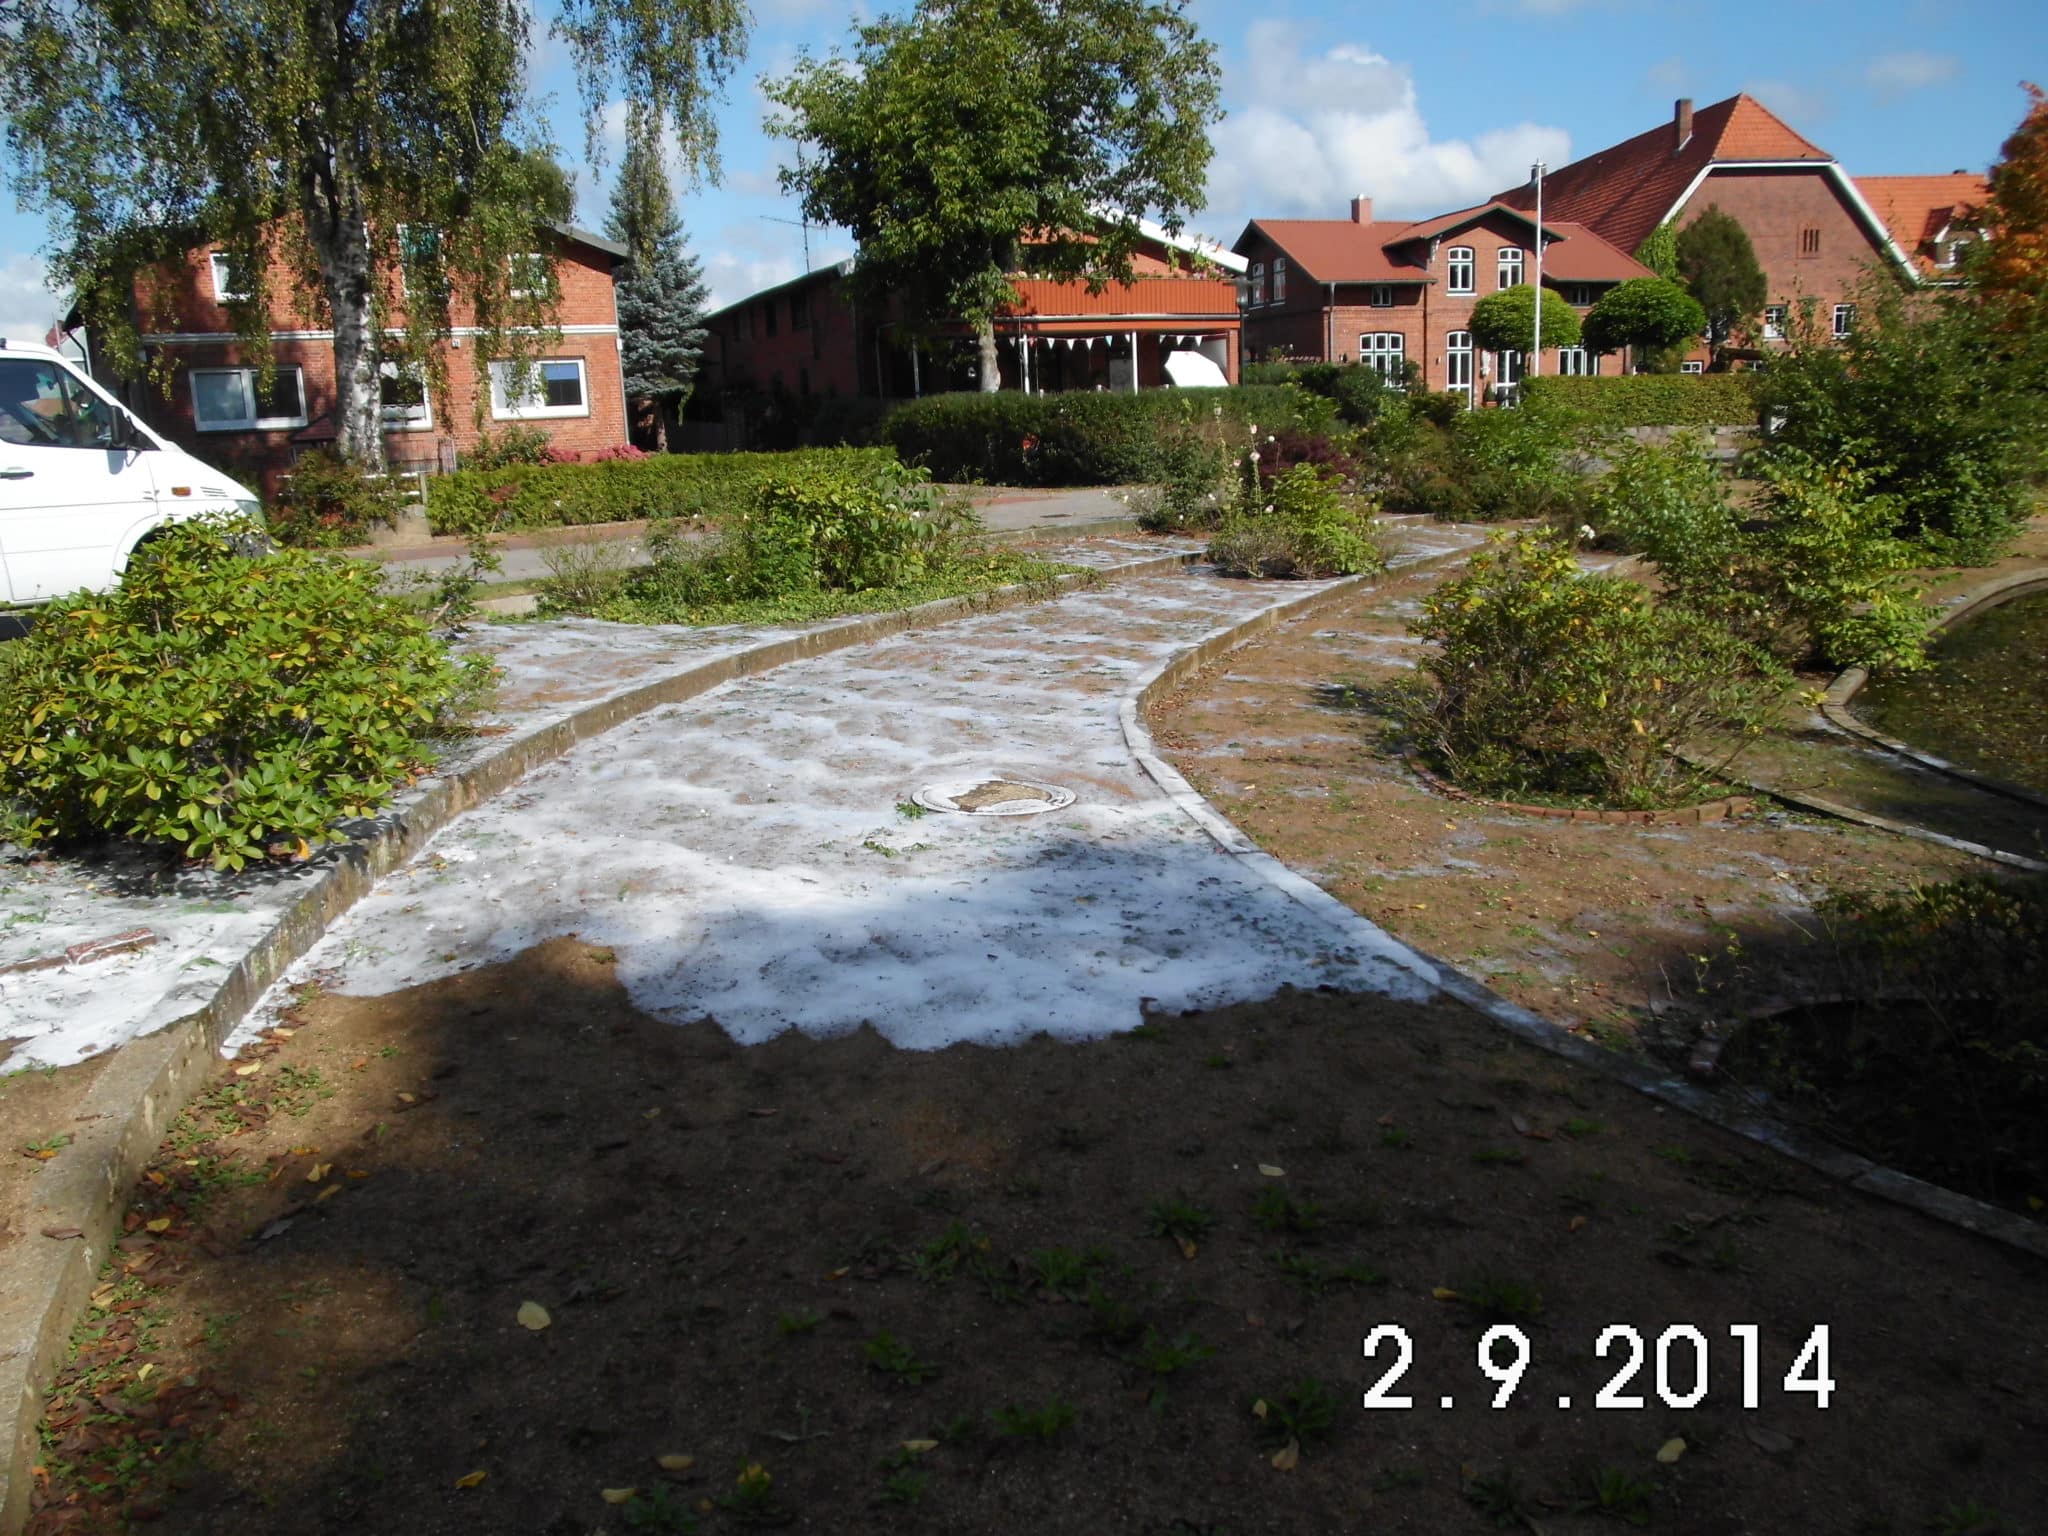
x,y
1681,123
1361,210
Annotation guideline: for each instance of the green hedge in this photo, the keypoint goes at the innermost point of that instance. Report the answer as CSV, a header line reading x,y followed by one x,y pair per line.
x,y
1082,439
665,485
1655,399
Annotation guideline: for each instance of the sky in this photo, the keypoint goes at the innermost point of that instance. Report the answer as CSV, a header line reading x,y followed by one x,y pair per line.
x,y
1424,108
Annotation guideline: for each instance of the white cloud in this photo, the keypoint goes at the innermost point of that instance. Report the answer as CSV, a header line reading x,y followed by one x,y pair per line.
x,y
1800,105
1893,74
27,306
733,273
1320,129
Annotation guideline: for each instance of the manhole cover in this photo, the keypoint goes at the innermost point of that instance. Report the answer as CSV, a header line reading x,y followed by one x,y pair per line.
x,y
994,797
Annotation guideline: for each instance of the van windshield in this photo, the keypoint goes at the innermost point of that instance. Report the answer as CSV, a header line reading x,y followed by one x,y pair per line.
x,y
43,406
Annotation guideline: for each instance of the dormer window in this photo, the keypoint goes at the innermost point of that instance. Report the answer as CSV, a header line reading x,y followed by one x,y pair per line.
x,y
1460,273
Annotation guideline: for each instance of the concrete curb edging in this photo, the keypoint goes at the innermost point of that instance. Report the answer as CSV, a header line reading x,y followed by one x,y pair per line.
x,y
45,1281
1843,1167
1835,704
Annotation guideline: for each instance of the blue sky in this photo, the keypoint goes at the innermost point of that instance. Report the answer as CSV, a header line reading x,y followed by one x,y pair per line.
x,y
1424,108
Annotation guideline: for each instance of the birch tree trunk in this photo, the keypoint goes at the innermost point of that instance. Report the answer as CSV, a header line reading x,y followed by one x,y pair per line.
x,y
991,368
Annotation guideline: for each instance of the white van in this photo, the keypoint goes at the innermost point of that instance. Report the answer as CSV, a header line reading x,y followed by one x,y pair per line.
x,y
82,482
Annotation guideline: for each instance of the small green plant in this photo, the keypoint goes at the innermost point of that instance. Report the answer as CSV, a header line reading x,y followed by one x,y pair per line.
x,y
1277,1211
1612,1492
1304,1413
1395,1138
1302,525
910,810
1579,1127
892,1357
1045,1422
1492,1298
1317,1277
1500,1498
802,1320
1970,1519
42,1151
1180,1218
659,1509
752,1500
904,1486
1500,1157
1065,1273
940,1259
1164,1356
1394,1478
1113,1321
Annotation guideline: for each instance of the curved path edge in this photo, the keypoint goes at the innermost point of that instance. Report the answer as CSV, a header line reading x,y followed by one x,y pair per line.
x,y
45,1281
1835,705
1832,1162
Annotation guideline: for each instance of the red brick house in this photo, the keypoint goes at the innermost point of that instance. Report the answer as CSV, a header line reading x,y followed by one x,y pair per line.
x,y
1817,232
807,340
1393,293
217,409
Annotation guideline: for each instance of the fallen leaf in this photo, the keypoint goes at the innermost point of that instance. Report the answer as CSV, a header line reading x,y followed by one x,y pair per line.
x,y
1271,1172
1769,1440
470,1479
143,1374
675,1461
1187,1245
1259,1409
161,1224
63,1232
359,1173
533,1315
332,1189
1288,1457
1575,1224
840,1273
304,1151
919,1447
359,1063
248,1069
1444,1293
318,1172
763,1114
1671,1450
616,1495
407,1098
282,1032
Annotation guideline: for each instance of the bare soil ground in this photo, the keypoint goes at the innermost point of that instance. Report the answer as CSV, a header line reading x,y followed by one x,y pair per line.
x,y
946,1292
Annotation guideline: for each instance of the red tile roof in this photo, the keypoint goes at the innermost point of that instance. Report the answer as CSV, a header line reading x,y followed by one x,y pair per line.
x,y
1445,223
1339,251
1623,191
1917,208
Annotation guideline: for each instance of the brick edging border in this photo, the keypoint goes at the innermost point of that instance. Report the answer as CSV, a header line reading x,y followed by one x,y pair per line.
x,y
1835,704
125,1115
1848,1169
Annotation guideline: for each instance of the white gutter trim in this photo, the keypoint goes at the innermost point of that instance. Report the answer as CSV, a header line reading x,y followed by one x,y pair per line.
x,y
1844,183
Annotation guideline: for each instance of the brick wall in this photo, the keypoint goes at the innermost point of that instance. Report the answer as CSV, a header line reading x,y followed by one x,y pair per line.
x,y
1783,212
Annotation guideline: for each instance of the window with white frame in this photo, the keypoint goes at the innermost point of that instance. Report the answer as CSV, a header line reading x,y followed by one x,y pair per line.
x,y
233,400
1582,295
1774,322
1459,270
1577,362
1845,319
1258,284
402,397
1507,369
1279,279
554,387
227,282
1384,352
1458,363
1507,269
1380,295
1694,366
531,273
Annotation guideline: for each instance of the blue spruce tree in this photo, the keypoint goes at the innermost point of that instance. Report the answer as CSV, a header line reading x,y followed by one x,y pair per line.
x,y
661,293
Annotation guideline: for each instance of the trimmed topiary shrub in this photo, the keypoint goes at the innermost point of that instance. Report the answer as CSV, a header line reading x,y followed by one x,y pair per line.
x,y
1652,399
668,485
222,707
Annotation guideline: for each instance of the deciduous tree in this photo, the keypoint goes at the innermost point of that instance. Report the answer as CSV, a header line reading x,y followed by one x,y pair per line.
x,y
952,136
338,138
1719,265
2017,261
1649,314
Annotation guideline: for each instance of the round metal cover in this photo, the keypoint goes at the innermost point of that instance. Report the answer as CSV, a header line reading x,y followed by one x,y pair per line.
x,y
998,795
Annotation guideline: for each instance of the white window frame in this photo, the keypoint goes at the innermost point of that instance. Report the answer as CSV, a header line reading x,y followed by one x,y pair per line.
x,y
1385,352
1577,363
222,265
1774,322
1582,295
1510,362
1844,321
1380,295
1458,344
1693,366
513,265
407,418
1258,294
1279,279
1508,259
503,408
251,422
1455,257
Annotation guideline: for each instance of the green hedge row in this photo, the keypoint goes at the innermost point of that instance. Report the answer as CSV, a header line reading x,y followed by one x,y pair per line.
x,y
665,485
1082,439
1654,399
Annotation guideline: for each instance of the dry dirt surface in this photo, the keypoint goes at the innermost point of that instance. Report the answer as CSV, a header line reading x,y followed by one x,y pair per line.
x,y
502,1253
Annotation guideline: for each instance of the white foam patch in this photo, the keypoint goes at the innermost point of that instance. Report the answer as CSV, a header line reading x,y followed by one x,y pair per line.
x,y
744,858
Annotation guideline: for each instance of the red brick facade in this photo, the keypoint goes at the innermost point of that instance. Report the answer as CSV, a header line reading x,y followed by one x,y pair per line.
x,y
182,319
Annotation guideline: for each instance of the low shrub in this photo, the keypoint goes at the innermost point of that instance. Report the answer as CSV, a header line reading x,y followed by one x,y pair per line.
x,y
511,445
1193,490
1547,681
1528,461
1652,399
1817,577
1301,524
1359,393
222,707
1081,439
327,503
669,485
